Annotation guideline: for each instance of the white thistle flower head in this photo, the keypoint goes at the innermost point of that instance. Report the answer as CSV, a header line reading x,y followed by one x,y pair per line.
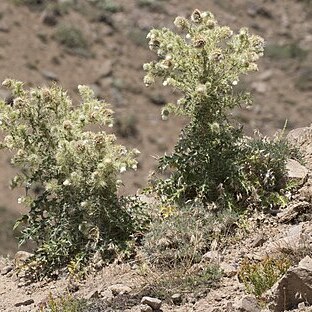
x,y
201,89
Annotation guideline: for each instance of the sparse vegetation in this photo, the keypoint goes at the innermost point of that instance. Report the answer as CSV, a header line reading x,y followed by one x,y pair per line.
x,y
197,281
111,6
215,173
286,51
169,244
213,162
72,38
152,5
64,303
126,126
261,276
77,212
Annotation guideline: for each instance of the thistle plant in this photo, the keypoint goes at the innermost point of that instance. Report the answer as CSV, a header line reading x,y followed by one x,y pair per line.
x,y
77,211
213,161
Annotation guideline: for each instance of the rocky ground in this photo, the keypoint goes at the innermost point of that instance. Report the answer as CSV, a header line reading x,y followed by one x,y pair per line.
x,y
111,62
285,233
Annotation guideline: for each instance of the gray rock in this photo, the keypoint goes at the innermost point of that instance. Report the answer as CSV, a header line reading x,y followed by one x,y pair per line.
x,y
247,304
4,27
97,93
260,87
49,75
49,17
105,69
293,288
293,240
258,241
6,269
24,303
298,134
5,95
229,270
176,298
266,75
119,289
94,294
154,303
292,211
107,296
145,308
296,171
21,257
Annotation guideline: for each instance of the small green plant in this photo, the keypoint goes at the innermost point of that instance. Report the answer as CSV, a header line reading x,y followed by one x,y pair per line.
x,y
111,6
169,244
77,211
182,280
213,162
34,3
72,38
286,51
64,303
261,276
152,5
126,126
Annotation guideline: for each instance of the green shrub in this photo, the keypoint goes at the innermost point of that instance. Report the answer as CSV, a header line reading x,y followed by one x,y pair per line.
x,y
213,162
286,51
181,235
111,6
77,212
197,281
260,277
152,5
72,38
65,303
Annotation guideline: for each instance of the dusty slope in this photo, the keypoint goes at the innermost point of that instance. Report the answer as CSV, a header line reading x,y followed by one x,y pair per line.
x,y
117,49
120,287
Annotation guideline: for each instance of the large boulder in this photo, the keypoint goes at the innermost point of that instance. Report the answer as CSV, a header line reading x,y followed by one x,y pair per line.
x,y
293,288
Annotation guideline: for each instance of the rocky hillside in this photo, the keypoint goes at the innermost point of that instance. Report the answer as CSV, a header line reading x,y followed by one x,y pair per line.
x,y
102,44
264,265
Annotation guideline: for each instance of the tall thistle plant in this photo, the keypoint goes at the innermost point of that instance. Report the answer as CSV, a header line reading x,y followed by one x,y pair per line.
x,y
213,162
77,211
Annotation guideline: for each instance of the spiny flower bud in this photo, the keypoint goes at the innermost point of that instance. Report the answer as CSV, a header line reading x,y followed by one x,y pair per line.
x,y
199,43
148,80
201,89
215,127
196,16
181,22
168,81
211,24
216,56
7,83
147,66
18,102
165,113
165,64
67,125
154,44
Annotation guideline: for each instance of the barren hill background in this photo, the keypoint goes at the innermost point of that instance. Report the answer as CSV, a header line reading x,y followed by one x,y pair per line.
x,y
102,43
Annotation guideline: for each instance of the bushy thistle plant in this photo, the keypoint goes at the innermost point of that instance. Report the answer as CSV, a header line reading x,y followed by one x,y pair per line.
x,y
77,211
213,161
